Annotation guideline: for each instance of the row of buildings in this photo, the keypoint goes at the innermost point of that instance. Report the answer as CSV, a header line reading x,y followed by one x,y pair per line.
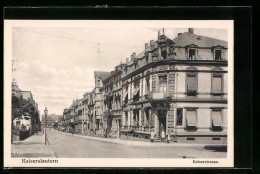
x,y
174,85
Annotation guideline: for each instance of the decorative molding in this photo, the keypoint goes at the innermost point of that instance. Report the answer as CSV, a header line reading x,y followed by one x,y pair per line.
x,y
172,105
171,67
162,68
218,47
216,68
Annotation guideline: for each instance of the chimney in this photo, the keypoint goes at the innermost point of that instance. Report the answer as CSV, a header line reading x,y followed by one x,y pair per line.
x,y
191,30
146,45
159,33
127,60
152,42
134,55
179,34
156,44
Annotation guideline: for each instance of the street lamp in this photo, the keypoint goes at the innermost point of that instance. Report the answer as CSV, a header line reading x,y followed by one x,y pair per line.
x,y
45,113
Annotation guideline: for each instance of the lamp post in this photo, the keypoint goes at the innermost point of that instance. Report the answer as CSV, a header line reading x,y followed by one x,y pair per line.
x,y
45,113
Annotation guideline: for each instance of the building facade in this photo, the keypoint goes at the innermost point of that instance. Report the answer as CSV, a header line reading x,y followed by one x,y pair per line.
x,y
177,86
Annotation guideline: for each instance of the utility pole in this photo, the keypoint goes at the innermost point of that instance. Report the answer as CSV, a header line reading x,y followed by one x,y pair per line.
x,y
46,113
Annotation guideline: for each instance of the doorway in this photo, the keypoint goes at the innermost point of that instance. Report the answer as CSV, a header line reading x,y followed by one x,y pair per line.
x,y
162,121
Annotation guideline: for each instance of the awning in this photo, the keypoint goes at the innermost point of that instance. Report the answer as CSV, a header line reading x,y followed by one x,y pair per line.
x,y
136,91
216,118
147,105
191,118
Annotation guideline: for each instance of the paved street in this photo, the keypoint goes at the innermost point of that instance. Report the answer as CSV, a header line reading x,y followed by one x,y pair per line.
x,y
73,146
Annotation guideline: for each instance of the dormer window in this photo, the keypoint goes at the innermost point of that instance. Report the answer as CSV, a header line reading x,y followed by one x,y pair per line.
x,y
192,53
218,54
164,53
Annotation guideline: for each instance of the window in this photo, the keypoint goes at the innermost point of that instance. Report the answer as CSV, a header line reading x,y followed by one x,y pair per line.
x,y
218,54
216,120
191,119
147,117
126,118
192,85
192,54
179,116
216,84
98,110
163,83
98,82
163,54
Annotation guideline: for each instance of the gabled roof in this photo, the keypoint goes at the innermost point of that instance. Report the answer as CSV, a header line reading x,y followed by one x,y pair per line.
x,y
201,41
102,74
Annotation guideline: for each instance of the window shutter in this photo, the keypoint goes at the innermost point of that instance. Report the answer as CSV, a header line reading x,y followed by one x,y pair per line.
x,y
171,85
192,83
216,118
191,118
217,84
153,82
170,122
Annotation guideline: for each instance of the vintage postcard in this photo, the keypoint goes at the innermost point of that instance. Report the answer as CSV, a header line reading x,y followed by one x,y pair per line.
x,y
118,93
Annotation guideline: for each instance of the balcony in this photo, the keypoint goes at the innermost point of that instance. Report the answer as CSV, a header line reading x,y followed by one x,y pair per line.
x,y
158,95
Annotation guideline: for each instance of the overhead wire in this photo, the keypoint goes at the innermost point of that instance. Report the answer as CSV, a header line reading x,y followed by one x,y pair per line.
x,y
81,40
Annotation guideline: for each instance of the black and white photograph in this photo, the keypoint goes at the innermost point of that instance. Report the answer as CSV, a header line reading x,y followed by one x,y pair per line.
x,y
118,93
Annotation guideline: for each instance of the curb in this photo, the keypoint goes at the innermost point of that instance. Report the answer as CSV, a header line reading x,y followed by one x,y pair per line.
x,y
144,144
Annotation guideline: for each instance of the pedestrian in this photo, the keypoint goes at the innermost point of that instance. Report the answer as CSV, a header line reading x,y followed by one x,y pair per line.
x,y
152,135
168,138
162,132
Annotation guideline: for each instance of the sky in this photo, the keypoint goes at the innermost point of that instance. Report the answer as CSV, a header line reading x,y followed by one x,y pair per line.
x,y
57,64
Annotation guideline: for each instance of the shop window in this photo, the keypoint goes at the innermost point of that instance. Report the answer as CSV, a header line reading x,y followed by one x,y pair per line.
x,y
179,116
217,84
192,53
217,122
192,85
218,54
163,83
191,120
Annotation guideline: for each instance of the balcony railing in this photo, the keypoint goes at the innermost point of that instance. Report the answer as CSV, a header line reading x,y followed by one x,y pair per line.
x,y
157,95
137,128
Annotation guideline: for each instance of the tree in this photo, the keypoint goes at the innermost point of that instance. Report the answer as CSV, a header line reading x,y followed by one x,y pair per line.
x,y
21,106
55,125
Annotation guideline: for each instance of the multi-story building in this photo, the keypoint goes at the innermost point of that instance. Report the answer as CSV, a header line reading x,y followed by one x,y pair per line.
x,y
178,86
86,113
112,94
98,108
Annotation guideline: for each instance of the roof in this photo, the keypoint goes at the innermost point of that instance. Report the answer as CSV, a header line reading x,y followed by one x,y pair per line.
x,y
201,41
141,55
102,74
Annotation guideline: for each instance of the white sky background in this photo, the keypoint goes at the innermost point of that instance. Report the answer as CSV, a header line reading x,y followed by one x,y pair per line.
x,y
58,69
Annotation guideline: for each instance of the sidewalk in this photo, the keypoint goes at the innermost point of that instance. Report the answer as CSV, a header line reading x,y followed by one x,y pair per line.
x,y
32,147
142,143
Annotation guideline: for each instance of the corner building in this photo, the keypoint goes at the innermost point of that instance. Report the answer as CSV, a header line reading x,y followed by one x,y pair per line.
x,y
180,84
